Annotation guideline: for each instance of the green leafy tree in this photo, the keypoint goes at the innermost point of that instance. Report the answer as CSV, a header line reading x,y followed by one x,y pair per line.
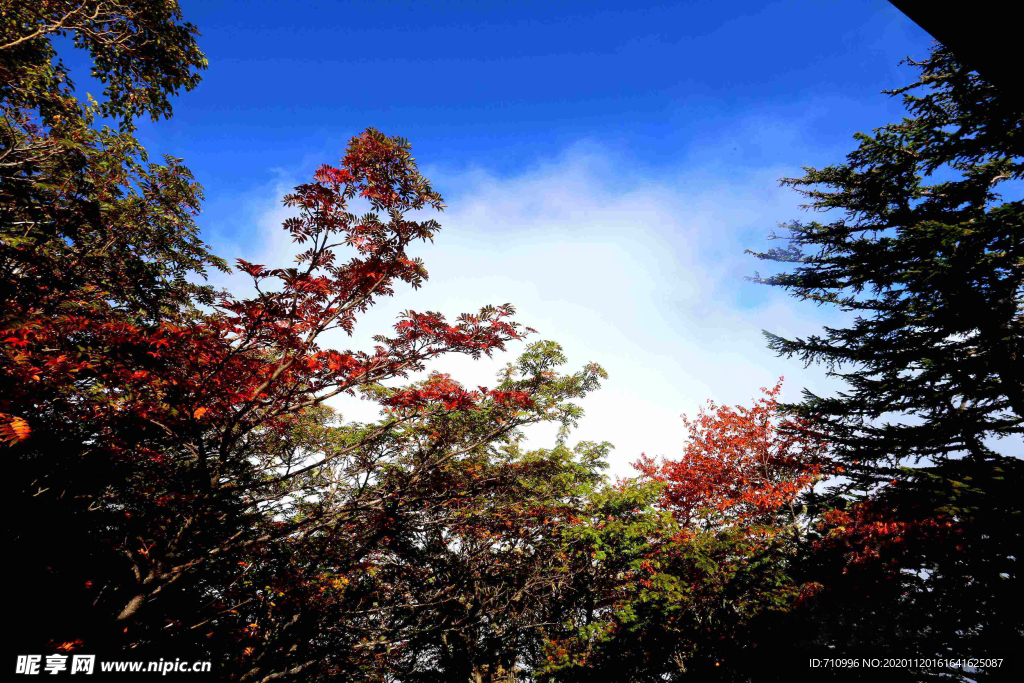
x,y
80,207
428,551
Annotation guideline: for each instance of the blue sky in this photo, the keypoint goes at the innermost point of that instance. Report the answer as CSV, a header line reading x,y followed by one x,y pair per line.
x,y
498,84
605,165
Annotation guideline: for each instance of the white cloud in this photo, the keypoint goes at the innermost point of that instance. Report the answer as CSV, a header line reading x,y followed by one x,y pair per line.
x,y
641,275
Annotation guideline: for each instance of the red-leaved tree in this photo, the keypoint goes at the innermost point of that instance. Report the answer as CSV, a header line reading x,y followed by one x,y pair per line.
x,y
722,558
151,438
741,466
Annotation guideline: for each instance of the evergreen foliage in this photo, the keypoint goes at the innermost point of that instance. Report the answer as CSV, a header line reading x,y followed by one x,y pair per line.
x,y
919,538
932,262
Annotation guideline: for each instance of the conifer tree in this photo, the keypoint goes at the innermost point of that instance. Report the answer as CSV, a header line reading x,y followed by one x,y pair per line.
x,y
918,538
931,260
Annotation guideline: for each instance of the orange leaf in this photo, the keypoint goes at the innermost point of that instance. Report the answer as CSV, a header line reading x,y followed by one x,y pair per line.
x,y
13,429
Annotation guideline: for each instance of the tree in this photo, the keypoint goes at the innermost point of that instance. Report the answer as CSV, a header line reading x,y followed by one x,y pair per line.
x,y
739,466
82,211
181,420
185,489
722,559
933,271
427,552
930,259
96,248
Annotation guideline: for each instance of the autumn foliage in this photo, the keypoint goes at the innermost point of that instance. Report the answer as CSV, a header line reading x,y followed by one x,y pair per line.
x,y
184,488
740,465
